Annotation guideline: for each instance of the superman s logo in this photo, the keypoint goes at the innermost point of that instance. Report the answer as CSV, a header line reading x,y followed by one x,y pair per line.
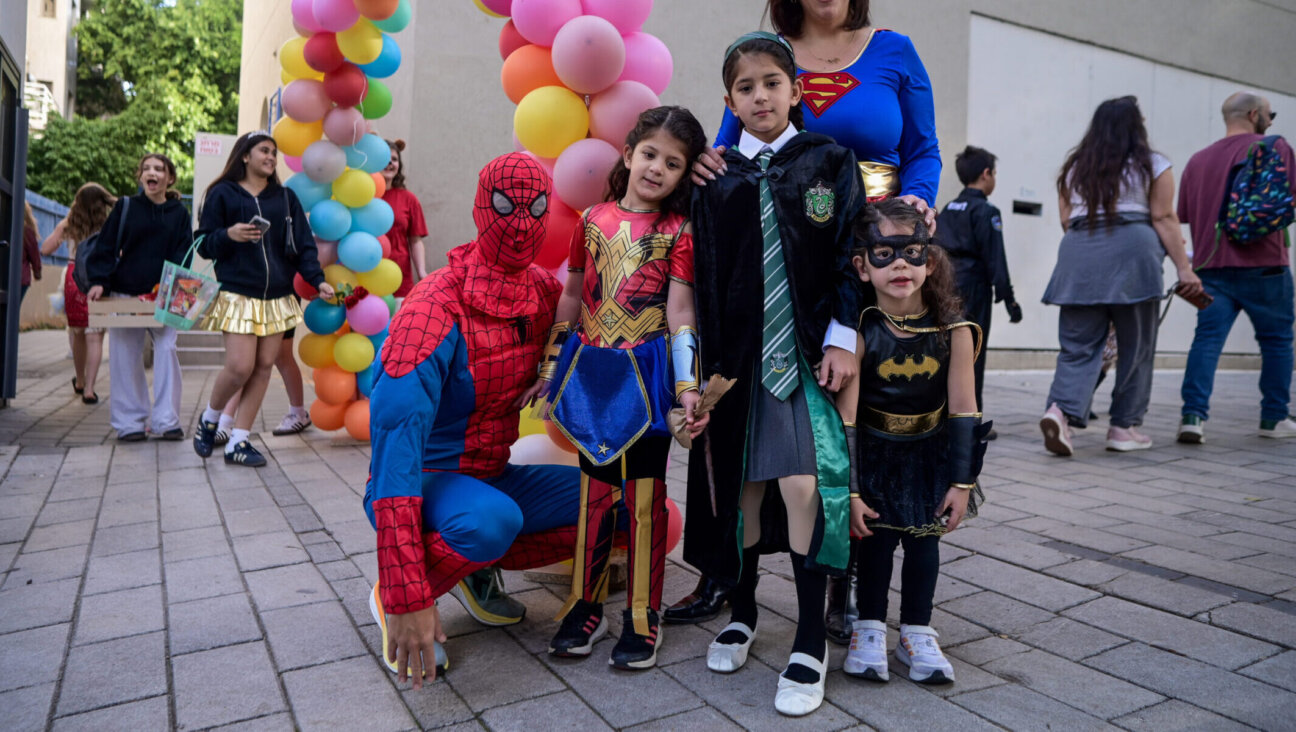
x,y
823,90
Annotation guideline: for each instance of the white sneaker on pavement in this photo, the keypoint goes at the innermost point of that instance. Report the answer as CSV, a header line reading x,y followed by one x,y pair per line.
x,y
867,657
1278,430
919,651
1127,439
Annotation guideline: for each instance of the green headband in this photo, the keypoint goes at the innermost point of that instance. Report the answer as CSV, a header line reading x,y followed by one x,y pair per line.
x,y
776,39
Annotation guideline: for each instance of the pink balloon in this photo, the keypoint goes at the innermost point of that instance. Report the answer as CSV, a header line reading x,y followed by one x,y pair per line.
x,y
323,161
306,101
627,15
326,252
335,15
560,272
369,316
499,7
344,126
294,164
303,16
588,54
539,20
648,62
614,112
385,243
546,163
581,173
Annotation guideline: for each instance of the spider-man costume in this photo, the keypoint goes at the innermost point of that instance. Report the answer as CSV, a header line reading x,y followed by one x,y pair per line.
x,y
463,347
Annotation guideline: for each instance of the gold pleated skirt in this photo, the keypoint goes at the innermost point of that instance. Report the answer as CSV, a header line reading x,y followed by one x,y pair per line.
x,y
232,313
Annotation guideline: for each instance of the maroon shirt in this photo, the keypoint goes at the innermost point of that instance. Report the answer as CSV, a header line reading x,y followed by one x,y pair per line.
x,y
408,223
1201,191
31,262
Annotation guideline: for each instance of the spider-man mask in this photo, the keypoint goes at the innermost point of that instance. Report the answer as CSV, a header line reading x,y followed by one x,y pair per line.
x,y
510,211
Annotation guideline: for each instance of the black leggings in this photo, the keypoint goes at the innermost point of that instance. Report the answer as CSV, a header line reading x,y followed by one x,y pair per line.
x,y
917,575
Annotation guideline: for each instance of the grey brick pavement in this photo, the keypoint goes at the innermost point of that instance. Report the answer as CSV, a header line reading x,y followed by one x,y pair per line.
x,y
140,589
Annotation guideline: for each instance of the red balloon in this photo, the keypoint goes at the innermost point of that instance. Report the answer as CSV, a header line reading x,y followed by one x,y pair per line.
x,y
510,40
322,52
674,525
557,244
558,437
304,289
346,85
386,245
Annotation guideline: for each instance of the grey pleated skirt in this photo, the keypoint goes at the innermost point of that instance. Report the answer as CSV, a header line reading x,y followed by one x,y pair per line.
x,y
1116,265
780,441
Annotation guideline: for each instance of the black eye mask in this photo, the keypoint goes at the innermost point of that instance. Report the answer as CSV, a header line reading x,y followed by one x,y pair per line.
x,y
898,247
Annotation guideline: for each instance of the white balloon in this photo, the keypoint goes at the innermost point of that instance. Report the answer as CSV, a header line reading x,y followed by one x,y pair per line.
x,y
540,450
323,161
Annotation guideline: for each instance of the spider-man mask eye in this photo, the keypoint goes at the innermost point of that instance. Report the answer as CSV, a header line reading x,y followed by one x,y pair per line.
x,y
512,200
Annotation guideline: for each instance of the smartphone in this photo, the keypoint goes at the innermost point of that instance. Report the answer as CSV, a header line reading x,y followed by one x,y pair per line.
x,y
1200,301
263,224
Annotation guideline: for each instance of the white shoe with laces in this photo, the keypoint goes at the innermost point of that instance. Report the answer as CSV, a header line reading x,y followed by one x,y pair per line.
x,y
919,651
292,424
1283,428
867,657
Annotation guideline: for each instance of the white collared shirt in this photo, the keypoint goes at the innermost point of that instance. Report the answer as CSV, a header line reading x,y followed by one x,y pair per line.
x,y
750,146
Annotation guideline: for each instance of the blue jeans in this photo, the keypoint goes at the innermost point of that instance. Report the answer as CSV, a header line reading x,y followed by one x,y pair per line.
x,y
1265,295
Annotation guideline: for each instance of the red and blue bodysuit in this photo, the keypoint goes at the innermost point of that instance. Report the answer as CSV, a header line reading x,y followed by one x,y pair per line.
x,y
463,347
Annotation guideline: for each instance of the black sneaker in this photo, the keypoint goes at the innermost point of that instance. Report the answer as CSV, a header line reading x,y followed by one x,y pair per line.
x,y
204,438
580,630
244,454
634,652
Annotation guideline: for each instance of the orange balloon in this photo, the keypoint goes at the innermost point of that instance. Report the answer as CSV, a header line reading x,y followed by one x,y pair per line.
x,y
328,417
558,437
380,185
357,420
377,9
527,69
335,386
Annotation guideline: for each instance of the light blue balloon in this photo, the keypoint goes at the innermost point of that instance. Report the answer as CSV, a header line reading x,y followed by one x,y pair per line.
x,y
365,379
389,59
371,154
359,251
379,338
375,217
308,191
324,318
330,220
398,20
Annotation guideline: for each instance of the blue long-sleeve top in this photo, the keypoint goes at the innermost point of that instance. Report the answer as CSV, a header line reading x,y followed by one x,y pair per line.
x,y
880,106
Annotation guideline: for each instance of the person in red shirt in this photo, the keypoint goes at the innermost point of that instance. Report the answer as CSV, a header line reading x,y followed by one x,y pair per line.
x,y
408,229
31,263
1254,277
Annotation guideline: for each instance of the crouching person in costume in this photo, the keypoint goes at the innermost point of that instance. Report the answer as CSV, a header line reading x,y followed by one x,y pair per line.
x,y
445,502
616,377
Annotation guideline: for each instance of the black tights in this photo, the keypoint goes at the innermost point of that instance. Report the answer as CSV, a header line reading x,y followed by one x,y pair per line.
x,y
917,575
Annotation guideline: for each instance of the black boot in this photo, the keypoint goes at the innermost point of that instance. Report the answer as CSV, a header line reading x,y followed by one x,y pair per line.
x,y
842,612
705,603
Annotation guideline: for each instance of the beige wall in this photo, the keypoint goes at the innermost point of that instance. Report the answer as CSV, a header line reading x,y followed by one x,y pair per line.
x,y
48,50
452,111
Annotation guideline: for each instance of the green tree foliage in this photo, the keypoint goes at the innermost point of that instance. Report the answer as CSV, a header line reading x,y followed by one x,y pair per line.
x,y
150,75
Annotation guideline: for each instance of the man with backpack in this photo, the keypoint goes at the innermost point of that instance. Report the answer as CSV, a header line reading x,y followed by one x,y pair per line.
x,y
1236,196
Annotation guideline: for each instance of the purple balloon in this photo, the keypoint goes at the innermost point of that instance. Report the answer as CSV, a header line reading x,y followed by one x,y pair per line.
x,y
369,316
539,20
303,16
335,15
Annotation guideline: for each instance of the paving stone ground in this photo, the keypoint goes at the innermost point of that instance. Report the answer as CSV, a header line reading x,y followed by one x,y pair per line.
x,y
142,589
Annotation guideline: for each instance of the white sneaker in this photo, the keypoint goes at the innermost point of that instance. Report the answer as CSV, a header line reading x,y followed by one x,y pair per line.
x,y
1192,430
919,651
867,655
1127,439
1278,430
725,658
796,699
292,424
1057,435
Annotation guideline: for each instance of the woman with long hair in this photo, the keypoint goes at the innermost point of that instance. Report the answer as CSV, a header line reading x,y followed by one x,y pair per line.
x,y
256,232
155,230
408,227
1116,202
90,208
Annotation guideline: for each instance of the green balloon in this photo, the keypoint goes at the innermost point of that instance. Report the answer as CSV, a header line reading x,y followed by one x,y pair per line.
x,y
391,303
398,20
377,101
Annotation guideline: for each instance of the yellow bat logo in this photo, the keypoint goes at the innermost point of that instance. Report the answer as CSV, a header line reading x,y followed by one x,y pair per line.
x,y
908,366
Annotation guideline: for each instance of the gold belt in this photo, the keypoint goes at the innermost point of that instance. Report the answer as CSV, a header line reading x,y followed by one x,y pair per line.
x,y
901,424
880,180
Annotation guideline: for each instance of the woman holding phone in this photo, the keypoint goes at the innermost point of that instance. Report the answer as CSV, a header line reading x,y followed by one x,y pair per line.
x,y
256,232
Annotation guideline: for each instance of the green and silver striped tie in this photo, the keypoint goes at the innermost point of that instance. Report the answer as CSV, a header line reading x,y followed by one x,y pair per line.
x,y
778,341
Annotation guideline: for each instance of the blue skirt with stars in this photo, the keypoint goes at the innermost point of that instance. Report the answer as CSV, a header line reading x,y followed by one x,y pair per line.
x,y
605,399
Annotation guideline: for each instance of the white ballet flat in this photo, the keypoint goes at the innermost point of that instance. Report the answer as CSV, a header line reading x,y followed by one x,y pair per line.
x,y
796,699
725,658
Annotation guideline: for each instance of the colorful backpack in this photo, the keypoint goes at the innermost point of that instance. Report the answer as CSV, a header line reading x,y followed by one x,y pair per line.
x,y
1258,200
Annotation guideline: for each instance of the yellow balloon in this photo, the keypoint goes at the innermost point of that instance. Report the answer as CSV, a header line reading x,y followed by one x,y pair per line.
x,y
353,352
487,10
362,43
354,188
549,119
293,137
316,350
292,58
529,425
341,279
382,280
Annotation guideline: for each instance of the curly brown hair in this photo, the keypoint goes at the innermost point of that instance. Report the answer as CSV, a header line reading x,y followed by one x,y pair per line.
x,y
90,209
939,292
398,146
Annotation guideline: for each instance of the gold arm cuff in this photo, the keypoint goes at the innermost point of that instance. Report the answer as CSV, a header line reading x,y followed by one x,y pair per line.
x,y
880,180
575,269
547,371
848,424
856,495
963,486
974,415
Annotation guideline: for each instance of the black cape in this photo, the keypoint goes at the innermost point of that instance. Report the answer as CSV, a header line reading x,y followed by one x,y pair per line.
x,y
817,195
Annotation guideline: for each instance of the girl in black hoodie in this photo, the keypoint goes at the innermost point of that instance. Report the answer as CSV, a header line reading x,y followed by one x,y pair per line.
x,y
127,261
255,267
